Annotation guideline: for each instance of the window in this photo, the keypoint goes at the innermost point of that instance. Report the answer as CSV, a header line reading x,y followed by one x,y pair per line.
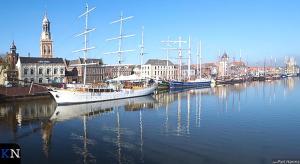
x,y
40,80
48,71
32,79
25,71
61,71
31,71
40,71
55,71
25,80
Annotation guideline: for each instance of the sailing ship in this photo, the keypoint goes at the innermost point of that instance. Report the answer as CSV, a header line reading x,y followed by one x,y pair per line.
x,y
118,88
199,82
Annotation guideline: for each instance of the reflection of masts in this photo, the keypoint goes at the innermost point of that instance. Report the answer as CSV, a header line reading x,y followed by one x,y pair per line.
x,y
167,115
141,136
188,113
85,151
198,117
179,114
239,101
118,137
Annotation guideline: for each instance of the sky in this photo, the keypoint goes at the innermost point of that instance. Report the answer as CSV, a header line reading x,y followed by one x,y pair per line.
x,y
259,29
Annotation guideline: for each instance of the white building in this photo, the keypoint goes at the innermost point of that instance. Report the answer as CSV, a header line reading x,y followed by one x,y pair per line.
x,y
159,69
41,70
44,69
223,65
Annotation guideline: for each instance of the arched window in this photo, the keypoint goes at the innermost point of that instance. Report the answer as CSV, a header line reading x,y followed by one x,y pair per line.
x,y
40,71
25,71
48,71
40,80
55,71
31,71
45,49
61,71
25,80
32,79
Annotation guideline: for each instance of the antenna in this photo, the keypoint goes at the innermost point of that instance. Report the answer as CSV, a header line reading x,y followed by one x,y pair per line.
x,y
85,34
120,39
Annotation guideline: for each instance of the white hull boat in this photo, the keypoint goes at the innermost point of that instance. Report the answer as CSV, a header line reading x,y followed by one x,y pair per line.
x,y
65,97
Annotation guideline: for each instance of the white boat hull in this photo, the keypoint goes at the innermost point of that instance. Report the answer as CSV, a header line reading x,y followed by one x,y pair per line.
x,y
64,97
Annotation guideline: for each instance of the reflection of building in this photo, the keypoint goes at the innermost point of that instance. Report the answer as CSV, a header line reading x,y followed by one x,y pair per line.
x,y
26,113
157,68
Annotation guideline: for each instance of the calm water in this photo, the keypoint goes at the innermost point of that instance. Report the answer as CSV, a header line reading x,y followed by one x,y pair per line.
x,y
247,123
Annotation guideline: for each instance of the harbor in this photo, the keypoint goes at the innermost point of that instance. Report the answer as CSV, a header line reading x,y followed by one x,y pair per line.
x,y
225,124
142,82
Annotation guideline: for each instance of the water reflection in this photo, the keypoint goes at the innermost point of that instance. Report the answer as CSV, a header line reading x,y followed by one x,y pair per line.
x,y
195,123
85,111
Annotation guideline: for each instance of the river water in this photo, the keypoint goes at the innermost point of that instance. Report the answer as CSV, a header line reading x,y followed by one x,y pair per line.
x,y
246,123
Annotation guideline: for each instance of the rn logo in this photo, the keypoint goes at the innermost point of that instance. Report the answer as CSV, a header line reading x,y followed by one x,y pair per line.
x,y
10,153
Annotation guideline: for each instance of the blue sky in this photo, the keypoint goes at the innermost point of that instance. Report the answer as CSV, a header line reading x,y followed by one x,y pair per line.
x,y
260,28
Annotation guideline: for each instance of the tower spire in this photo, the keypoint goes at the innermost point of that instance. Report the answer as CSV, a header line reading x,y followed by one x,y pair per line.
x,y
46,47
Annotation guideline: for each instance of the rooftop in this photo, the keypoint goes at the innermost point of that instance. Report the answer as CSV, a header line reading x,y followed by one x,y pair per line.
x,y
158,62
41,60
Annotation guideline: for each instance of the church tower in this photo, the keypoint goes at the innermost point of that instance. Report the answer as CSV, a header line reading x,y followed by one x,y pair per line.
x,y
46,42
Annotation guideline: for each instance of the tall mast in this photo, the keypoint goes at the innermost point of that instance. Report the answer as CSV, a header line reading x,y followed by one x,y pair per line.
x,y
120,39
189,59
85,34
197,62
200,56
142,47
168,50
179,49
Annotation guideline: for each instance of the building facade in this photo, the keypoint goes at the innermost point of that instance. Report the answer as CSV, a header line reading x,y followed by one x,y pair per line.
x,y
113,71
46,46
41,70
11,59
159,69
291,66
75,70
223,65
2,70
